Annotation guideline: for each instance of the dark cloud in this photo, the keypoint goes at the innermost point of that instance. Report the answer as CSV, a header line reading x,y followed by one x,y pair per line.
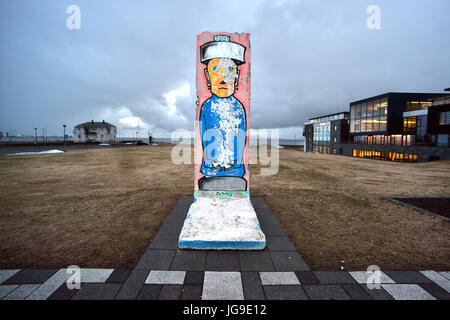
x,y
308,58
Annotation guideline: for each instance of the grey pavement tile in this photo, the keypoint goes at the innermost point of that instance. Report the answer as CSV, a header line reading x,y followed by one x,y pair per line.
x,y
326,292
265,219
407,292
191,292
6,289
150,292
362,276
279,244
171,228
97,291
445,274
222,261
255,261
306,277
23,291
252,286
189,260
30,276
272,230
185,201
436,291
194,278
118,276
165,277
95,275
437,278
334,277
220,285
407,277
6,274
130,289
285,293
177,216
165,242
170,292
377,294
356,292
156,260
62,293
48,287
278,278
288,261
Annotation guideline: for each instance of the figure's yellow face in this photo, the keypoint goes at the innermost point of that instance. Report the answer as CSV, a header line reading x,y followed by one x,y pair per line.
x,y
222,75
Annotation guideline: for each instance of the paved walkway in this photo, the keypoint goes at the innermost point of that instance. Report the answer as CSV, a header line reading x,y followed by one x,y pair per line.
x,y
276,273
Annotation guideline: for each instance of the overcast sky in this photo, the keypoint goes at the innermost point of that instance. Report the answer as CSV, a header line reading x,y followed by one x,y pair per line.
x,y
136,59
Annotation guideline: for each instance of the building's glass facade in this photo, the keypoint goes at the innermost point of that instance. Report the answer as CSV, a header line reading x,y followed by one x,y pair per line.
x,y
322,131
369,117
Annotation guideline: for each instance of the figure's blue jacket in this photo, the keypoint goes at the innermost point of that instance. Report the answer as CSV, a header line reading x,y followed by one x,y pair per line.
x,y
223,120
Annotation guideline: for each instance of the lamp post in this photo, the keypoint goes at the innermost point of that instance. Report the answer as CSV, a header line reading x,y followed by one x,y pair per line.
x,y
64,126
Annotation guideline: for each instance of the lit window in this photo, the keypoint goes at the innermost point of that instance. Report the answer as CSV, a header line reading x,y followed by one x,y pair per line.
x,y
444,118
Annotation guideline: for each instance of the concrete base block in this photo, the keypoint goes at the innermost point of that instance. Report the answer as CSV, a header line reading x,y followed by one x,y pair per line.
x,y
222,224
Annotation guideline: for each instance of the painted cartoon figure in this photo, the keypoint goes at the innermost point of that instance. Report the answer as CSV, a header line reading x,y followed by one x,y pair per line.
x,y
223,122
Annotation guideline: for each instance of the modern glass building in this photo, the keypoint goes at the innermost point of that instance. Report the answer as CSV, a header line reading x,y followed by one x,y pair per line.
x,y
319,131
392,126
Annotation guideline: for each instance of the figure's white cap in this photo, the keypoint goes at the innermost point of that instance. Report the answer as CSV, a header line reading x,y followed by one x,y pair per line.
x,y
222,47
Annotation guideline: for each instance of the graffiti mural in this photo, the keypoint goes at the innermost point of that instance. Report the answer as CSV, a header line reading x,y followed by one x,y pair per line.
x,y
222,130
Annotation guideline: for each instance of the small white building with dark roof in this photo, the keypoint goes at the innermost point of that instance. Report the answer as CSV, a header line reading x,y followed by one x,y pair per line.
x,y
102,132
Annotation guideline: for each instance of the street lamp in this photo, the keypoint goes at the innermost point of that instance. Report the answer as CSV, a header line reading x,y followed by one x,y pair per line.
x,y
64,134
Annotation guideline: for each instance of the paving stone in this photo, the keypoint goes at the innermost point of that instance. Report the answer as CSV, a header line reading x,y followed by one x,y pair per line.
x,y
278,278
165,241
21,292
280,244
6,289
118,276
362,276
30,276
150,292
377,294
272,230
48,287
326,292
6,274
62,293
284,293
156,260
165,277
265,219
440,280
334,277
191,292
408,277
171,228
258,202
222,261
170,292
255,261
97,291
288,261
252,286
222,286
356,292
185,201
189,260
95,275
436,291
407,292
133,284
194,278
306,277
445,274
178,215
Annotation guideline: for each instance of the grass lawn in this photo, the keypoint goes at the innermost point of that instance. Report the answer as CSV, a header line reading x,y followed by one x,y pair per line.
x,y
101,208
